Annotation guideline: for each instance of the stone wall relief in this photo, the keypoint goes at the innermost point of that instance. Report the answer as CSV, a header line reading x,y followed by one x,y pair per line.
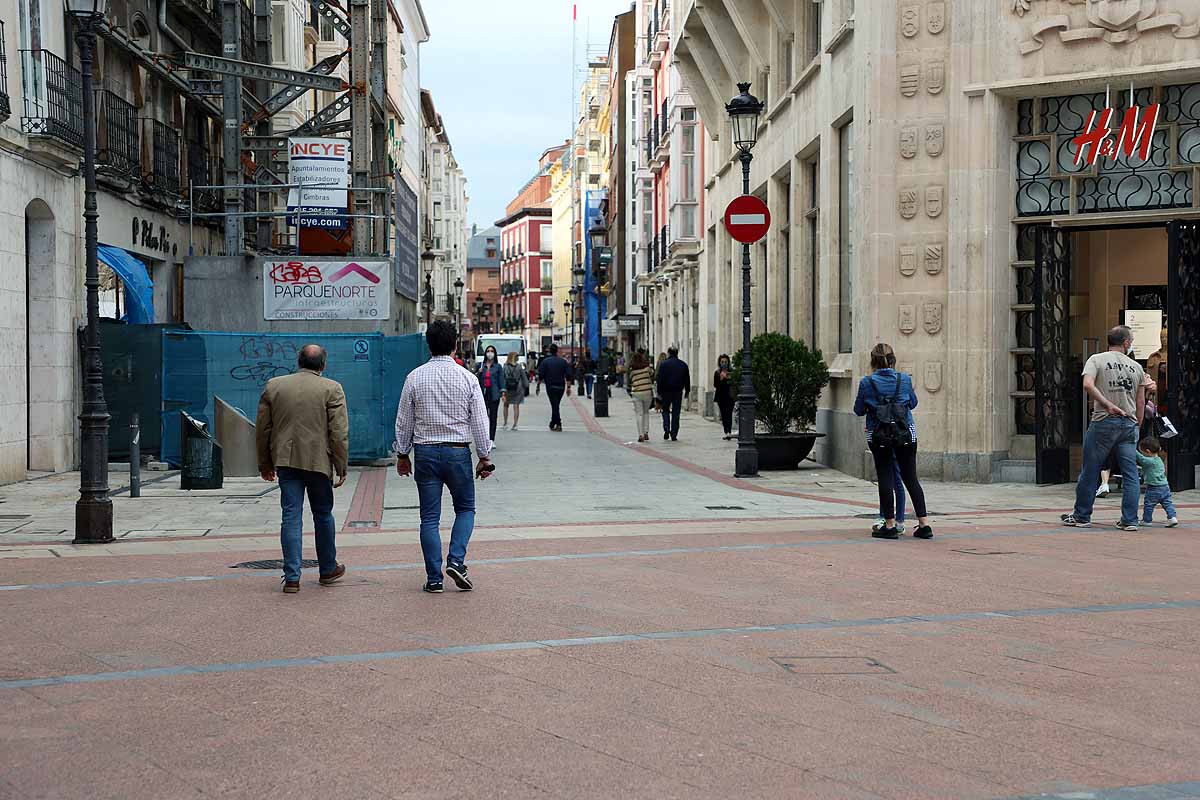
x,y
935,254
910,20
908,141
935,75
935,139
908,260
934,201
931,318
910,79
907,316
908,203
1117,22
933,376
936,17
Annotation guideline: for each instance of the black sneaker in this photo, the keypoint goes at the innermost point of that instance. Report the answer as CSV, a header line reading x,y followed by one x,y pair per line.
x,y
923,532
433,587
666,436
674,438
886,533
1071,521
458,573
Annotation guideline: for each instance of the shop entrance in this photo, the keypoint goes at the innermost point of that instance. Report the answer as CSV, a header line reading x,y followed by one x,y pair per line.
x,y
1085,282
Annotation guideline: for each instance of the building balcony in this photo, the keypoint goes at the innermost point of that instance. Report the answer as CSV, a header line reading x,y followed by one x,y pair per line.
x,y
201,169
163,176
53,98
118,140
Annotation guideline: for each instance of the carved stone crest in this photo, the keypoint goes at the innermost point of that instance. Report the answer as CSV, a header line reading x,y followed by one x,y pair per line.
x,y
936,17
908,141
908,203
908,260
933,376
910,80
935,139
907,315
931,318
910,20
933,201
934,257
935,76
1117,22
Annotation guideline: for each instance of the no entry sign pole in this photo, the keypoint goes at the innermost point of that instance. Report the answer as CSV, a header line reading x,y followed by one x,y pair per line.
x,y
747,219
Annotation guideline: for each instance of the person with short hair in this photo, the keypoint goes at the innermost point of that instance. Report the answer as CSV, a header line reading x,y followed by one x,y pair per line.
x,y
641,389
302,435
555,373
1158,489
893,442
441,413
516,386
674,383
1116,384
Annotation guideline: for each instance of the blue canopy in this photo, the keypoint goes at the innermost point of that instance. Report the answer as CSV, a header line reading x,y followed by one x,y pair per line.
x,y
139,289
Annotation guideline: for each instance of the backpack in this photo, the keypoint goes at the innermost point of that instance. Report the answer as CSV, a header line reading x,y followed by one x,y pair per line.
x,y
891,420
511,380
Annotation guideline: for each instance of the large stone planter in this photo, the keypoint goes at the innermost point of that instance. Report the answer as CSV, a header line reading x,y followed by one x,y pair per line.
x,y
777,451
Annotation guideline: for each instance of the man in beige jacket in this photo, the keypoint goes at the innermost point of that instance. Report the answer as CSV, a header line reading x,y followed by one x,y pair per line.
x,y
303,439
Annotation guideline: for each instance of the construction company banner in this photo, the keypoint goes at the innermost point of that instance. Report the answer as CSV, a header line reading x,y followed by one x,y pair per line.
x,y
318,161
309,289
408,279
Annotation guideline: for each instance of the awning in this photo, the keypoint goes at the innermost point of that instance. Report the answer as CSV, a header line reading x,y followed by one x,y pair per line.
x,y
139,289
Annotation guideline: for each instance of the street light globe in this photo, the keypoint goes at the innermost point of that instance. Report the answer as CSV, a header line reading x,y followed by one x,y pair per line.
x,y
574,292
744,110
86,9
598,235
458,284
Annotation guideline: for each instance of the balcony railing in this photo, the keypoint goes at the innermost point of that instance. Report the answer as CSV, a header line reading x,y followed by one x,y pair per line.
x,y
164,163
201,170
118,150
53,91
547,284
5,107
662,244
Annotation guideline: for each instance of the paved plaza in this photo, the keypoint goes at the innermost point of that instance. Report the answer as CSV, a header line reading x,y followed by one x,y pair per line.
x,y
644,626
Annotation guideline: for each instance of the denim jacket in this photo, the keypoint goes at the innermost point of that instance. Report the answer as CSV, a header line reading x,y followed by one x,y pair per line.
x,y
875,388
492,394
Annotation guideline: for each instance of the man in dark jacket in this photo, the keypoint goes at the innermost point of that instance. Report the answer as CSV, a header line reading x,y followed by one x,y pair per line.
x,y
674,382
555,373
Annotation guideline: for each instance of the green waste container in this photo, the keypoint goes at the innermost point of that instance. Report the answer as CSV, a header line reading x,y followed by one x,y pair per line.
x,y
201,456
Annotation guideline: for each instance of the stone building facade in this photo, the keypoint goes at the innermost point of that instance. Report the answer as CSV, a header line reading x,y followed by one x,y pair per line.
x,y
918,158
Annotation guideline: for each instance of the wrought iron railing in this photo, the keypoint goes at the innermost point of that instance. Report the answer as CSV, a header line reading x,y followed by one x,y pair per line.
x,y
662,244
5,107
53,96
117,141
201,170
164,162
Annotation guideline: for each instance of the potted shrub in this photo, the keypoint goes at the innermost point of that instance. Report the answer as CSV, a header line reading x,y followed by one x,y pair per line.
x,y
788,379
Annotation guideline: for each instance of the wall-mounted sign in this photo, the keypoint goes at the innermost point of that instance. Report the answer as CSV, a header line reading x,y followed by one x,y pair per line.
x,y
1136,135
407,255
324,163
310,289
629,323
1147,326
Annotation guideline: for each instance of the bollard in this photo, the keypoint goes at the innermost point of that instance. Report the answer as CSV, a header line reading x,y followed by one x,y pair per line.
x,y
135,456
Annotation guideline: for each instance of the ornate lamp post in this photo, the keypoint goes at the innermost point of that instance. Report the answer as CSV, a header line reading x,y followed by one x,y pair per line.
x,y
744,111
573,305
427,259
93,510
458,287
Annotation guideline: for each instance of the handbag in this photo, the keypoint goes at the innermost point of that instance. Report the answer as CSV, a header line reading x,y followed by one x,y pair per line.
x,y
1164,429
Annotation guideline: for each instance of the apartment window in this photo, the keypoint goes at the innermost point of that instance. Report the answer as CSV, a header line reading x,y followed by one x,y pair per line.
x,y
547,281
812,28
546,237
279,33
437,210
327,31
785,44
846,254
812,217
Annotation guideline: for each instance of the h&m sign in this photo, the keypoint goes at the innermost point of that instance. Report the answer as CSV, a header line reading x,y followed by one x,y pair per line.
x,y
1136,135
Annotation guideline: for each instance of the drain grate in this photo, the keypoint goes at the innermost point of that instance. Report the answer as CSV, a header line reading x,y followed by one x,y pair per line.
x,y
832,665
308,563
726,508
971,551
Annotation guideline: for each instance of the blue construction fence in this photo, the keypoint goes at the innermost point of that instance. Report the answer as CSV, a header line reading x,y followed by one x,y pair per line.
x,y
199,365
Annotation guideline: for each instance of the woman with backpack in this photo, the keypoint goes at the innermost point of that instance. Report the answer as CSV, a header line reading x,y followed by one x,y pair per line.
x,y
516,386
886,398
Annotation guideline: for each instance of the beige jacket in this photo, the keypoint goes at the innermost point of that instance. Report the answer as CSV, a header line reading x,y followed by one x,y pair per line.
x,y
302,424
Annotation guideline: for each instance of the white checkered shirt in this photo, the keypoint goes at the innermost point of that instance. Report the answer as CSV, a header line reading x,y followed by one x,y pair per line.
x,y
442,402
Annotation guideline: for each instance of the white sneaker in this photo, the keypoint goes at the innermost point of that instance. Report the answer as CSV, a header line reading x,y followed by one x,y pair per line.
x,y
514,427
1102,491
1172,522
878,526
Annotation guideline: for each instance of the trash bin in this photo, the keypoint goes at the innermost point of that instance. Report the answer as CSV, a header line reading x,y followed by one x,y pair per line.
x,y
201,456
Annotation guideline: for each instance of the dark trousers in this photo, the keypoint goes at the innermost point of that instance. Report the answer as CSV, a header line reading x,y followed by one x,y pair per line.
x,y
493,406
293,485
885,471
726,406
555,393
672,404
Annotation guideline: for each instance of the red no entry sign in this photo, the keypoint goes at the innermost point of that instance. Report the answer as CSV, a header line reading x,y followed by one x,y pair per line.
x,y
747,219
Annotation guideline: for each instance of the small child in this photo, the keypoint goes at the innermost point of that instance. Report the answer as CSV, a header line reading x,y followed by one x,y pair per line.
x,y
1158,491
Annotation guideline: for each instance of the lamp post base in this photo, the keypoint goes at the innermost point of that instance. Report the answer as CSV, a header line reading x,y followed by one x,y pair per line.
x,y
93,521
745,463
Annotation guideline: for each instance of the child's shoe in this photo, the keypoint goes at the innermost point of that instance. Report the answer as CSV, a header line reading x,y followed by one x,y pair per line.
x,y
1172,522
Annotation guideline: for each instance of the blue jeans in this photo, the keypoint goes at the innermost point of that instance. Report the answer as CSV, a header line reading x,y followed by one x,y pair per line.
x,y
1114,434
293,483
434,467
590,380
1156,495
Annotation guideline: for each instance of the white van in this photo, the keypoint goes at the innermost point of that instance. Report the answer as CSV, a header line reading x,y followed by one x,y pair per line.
x,y
504,344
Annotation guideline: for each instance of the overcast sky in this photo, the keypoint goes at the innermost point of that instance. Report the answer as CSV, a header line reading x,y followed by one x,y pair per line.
x,y
499,71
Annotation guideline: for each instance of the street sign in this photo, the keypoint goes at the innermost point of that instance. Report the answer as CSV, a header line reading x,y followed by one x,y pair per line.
x,y
747,219
608,327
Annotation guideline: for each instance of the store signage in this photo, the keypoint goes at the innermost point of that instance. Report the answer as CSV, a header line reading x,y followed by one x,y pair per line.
x,y
325,163
407,252
629,323
1136,135
309,289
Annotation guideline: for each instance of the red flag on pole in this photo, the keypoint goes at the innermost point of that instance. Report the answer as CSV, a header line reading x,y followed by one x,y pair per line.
x,y
575,11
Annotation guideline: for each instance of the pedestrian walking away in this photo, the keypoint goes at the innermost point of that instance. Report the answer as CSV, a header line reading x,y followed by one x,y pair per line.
x,y
516,389
1115,383
1158,490
441,413
641,388
674,382
589,372
724,394
555,373
886,398
491,383
303,439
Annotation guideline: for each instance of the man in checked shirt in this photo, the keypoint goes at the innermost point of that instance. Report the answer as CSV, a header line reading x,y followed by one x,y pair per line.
x,y
441,412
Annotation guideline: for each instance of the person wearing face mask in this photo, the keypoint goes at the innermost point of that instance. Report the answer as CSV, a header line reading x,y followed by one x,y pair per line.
x,y
491,382
724,393
1116,383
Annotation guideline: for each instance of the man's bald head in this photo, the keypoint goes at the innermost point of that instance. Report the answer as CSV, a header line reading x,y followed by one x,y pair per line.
x,y
312,356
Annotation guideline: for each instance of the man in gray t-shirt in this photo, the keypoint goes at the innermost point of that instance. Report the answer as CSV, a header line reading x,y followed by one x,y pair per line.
x,y
1115,382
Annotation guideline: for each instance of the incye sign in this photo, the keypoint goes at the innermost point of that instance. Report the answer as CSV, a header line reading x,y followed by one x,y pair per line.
x,y
1135,135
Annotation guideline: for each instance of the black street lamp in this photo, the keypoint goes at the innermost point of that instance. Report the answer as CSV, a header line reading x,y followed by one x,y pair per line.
x,y
573,303
600,258
427,259
744,111
458,287
93,510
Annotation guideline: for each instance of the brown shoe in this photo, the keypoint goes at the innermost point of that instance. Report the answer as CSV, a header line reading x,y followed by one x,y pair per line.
x,y
333,577
291,587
